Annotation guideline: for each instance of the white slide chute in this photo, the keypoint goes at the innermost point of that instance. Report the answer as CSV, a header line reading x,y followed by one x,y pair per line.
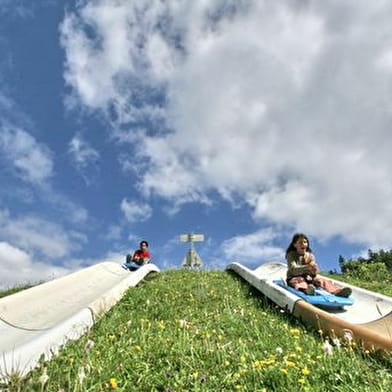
x,y
39,320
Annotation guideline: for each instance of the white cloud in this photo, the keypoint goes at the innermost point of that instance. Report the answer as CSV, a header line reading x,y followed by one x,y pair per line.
x,y
18,267
81,152
384,61
136,212
32,160
35,234
84,157
282,103
253,247
113,233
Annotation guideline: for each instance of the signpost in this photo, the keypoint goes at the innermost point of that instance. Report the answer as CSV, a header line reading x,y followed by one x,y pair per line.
x,y
192,259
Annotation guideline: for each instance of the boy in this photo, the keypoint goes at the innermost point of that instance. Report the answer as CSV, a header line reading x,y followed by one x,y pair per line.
x,y
141,256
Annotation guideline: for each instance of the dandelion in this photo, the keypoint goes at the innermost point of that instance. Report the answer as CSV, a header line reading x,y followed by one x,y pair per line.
x,y
305,371
327,348
279,350
294,331
113,383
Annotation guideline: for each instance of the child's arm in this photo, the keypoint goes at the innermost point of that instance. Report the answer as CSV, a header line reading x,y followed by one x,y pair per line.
x,y
310,260
297,265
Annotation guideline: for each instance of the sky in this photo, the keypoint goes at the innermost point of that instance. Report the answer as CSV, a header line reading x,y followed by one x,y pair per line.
x,y
243,120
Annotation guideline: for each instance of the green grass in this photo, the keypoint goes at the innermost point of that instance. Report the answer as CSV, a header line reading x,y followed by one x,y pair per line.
x,y
185,330
13,290
371,284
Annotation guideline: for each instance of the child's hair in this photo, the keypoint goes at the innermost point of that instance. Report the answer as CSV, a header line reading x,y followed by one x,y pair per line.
x,y
143,242
296,237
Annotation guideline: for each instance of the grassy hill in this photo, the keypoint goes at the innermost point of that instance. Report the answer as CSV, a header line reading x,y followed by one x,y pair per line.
x,y
184,330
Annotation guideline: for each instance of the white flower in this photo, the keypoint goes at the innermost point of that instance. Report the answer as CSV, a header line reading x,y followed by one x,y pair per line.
x,y
81,374
89,345
348,335
336,342
327,348
279,350
44,377
184,324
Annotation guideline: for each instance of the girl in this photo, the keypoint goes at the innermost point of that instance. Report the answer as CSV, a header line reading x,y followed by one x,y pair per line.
x,y
302,269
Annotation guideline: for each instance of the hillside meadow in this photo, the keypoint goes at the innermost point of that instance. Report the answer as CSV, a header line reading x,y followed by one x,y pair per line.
x,y
194,330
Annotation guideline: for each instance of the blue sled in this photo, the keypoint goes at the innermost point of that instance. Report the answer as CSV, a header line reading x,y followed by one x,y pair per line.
x,y
321,298
131,266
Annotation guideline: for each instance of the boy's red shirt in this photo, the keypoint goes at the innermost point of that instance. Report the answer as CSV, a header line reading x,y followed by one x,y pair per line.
x,y
142,253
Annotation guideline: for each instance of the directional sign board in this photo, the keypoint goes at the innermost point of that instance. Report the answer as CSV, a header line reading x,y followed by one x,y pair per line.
x,y
192,259
192,237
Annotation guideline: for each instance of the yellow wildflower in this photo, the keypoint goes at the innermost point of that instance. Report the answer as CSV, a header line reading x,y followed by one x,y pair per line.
x,y
113,383
305,371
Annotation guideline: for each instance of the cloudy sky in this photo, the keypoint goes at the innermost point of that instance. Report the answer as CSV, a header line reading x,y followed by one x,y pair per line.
x,y
245,120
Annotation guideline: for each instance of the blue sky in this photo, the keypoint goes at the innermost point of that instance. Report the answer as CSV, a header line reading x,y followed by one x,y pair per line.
x,y
243,120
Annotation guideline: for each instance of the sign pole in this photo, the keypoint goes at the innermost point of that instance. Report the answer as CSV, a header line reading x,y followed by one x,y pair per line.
x,y
192,259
